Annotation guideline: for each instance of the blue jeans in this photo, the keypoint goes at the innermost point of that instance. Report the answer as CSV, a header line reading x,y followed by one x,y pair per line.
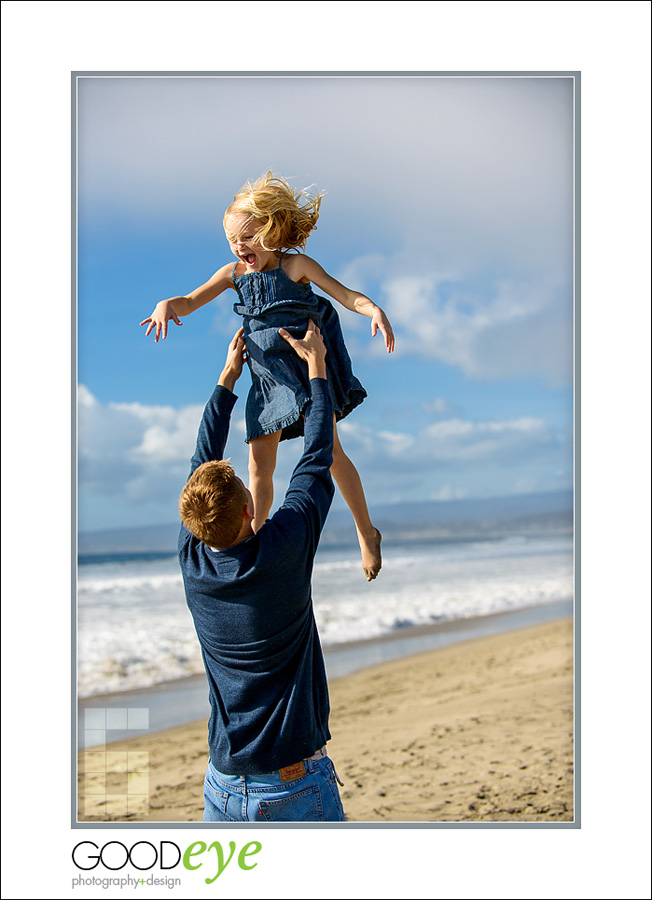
x,y
314,797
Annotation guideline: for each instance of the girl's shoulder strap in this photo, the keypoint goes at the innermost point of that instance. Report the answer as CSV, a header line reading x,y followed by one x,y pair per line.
x,y
280,262
233,275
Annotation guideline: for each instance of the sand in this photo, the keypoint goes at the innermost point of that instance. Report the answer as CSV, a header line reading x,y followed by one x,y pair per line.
x,y
481,731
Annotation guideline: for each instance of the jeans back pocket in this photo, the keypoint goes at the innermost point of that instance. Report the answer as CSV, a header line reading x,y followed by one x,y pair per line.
x,y
302,806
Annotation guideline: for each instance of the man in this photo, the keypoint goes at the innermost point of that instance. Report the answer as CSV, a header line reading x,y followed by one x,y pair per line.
x,y
250,597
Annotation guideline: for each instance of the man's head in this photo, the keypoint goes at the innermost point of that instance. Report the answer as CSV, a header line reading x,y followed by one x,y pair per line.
x,y
214,505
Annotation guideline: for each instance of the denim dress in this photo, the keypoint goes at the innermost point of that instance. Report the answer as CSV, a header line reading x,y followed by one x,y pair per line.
x,y
279,391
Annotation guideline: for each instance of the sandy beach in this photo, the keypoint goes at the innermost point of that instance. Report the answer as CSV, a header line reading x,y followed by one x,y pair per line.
x,y
481,731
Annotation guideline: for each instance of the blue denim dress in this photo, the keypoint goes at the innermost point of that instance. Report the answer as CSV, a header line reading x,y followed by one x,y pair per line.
x,y
279,391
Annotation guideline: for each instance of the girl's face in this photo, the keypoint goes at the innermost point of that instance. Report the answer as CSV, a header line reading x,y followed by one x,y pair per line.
x,y
241,233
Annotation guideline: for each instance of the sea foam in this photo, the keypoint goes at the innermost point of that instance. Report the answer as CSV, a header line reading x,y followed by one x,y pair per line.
x,y
135,630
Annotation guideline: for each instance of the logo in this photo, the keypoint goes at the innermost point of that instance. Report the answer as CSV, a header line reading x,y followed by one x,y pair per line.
x,y
143,856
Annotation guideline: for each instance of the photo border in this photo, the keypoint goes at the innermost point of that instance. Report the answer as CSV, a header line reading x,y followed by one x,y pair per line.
x,y
576,79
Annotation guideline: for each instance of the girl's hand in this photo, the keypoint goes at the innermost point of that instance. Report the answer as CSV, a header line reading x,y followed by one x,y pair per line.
x,y
380,321
159,319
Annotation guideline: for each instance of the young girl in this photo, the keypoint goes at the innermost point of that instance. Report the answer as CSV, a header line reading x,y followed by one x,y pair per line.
x,y
266,219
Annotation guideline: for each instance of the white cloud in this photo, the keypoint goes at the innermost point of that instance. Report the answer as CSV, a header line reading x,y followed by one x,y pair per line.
x,y
169,439
437,407
396,445
458,442
84,397
138,452
453,441
448,492
457,458
525,485
492,328
137,457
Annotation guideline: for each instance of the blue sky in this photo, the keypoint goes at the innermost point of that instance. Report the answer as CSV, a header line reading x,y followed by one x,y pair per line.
x,y
448,201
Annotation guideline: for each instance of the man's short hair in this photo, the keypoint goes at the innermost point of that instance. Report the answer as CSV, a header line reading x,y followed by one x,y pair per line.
x,y
212,503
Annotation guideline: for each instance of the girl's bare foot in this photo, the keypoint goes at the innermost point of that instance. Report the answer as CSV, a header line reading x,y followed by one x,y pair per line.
x,y
371,559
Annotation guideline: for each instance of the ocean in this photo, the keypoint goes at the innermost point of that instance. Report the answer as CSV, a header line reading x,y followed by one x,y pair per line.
x,y
134,629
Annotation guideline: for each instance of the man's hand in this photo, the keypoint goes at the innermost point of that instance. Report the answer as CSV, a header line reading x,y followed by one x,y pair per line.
x,y
310,348
235,357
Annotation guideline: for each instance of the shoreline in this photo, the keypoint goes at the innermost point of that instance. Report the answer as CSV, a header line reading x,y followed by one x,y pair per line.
x,y
479,731
181,701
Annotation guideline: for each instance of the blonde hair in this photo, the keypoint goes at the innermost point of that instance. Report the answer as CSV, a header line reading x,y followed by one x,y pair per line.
x,y
288,216
212,502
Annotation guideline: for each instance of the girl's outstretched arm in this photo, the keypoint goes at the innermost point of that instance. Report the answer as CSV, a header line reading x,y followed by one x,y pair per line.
x,y
302,268
183,306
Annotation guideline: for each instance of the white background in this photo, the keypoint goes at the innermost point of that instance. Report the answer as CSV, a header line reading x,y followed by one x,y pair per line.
x,y
609,44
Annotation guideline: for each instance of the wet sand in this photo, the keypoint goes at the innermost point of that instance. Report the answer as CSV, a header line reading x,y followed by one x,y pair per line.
x,y
481,731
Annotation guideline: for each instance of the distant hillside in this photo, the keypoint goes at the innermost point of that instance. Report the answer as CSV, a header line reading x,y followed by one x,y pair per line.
x,y
516,514
141,539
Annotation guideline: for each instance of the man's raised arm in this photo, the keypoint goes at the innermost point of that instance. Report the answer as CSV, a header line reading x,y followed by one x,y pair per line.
x,y
311,487
214,426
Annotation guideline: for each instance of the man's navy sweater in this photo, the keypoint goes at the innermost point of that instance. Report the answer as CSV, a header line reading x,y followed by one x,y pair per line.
x,y
252,608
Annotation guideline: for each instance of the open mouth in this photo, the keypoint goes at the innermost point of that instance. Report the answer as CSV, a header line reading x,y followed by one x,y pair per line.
x,y
250,259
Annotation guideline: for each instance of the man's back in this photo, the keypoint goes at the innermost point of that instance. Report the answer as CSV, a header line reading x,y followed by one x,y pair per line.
x,y
252,608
